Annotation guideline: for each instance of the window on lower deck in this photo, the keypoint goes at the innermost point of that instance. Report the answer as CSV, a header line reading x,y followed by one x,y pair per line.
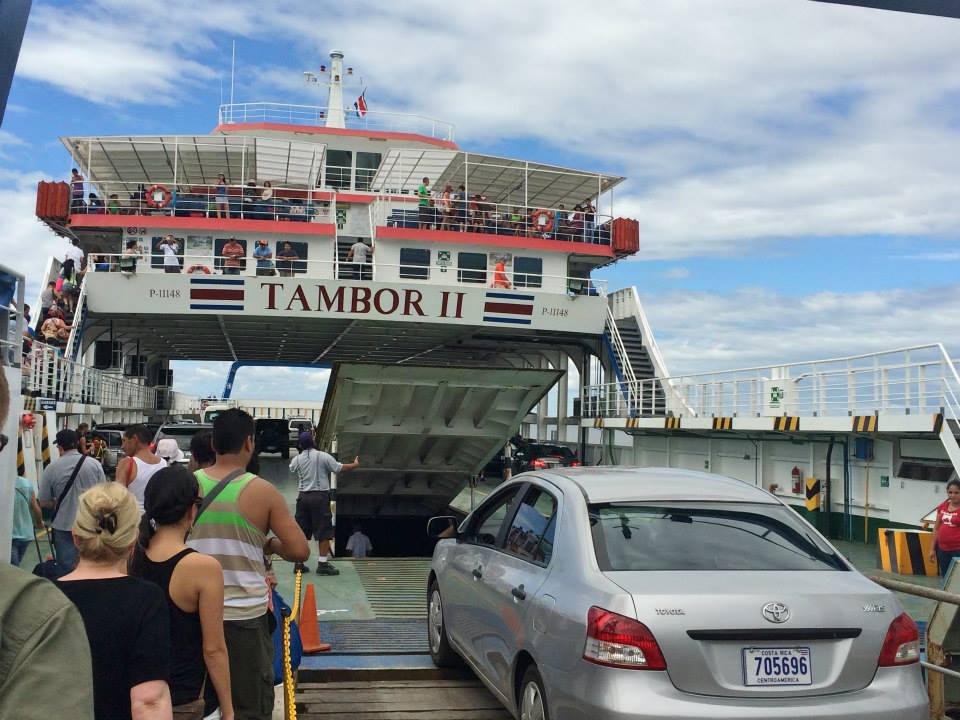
x,y
471,267
527,272
414,263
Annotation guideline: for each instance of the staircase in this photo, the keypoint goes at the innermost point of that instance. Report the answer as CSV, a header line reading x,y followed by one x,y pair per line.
x,y
633,359
650,399
75,341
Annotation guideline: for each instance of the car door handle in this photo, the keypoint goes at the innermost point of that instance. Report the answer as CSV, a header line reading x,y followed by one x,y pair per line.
x,y
477,573
519,593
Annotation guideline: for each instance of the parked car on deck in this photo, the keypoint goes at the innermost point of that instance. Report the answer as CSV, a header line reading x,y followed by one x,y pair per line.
x,y
298,425
181,432
272,435
543,456
642,594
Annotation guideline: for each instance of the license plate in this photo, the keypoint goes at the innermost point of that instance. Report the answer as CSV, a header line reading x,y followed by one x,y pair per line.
x,y
768,667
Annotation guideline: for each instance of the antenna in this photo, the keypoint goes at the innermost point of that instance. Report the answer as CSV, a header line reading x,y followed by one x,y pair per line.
x,y
233,68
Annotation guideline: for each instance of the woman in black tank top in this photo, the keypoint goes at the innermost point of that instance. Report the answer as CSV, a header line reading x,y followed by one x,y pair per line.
x,y
193,587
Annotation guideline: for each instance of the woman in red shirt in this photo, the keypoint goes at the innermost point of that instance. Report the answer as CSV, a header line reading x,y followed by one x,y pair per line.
x,y
946,531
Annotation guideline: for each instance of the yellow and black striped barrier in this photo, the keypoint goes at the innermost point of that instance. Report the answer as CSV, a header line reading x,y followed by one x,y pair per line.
x,y
633,423
786,423
21,461
723,423
671,423
813,494
907,552
598,422
44,441
865,423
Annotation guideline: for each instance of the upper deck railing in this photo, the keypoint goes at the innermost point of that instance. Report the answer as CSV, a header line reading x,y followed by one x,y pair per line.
x,y
913,380
313,115
508,219
250,202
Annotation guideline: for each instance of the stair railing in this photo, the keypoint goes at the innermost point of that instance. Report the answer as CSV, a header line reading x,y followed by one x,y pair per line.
x,y
75,340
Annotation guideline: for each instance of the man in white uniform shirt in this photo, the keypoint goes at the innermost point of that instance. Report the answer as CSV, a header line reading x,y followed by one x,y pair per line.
x,y
312,469
170,247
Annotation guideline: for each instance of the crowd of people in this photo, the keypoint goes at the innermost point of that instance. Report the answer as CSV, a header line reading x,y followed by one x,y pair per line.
x,y
457,210
161,587
252,200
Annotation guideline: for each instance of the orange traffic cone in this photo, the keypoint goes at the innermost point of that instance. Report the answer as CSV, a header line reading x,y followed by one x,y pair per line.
x,y
309,627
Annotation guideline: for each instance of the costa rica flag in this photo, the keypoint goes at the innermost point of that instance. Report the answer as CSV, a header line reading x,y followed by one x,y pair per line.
x,y
361,104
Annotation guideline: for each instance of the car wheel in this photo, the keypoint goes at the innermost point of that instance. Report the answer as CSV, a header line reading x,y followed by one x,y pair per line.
x,y
440,651
533,698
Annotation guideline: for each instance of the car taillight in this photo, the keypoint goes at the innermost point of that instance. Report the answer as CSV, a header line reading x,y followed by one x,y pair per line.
x,y
901,646
617,641
538,464
575,463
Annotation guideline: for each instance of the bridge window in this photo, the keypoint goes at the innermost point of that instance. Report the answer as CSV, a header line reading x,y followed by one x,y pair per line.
x,y
339,167
367,164
472,267
527,272
414,263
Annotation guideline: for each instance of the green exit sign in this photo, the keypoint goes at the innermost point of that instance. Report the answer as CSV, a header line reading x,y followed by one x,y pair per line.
x,y
884,481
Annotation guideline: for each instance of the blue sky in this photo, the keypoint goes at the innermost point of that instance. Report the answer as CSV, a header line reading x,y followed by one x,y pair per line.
x,y
792,164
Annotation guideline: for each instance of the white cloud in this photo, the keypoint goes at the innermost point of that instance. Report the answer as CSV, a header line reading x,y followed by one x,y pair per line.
x,y
675,273
699,332
28,243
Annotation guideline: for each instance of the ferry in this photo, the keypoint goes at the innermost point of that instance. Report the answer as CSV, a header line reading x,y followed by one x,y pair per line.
x,y
455,298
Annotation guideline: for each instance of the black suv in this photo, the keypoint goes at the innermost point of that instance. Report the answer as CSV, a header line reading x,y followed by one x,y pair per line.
x,y
272,435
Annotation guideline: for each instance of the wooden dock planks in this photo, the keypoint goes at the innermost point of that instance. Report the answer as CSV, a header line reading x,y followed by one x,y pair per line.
x,y
461,699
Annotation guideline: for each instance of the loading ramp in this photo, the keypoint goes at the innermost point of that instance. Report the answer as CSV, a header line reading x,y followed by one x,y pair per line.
x,y
421,431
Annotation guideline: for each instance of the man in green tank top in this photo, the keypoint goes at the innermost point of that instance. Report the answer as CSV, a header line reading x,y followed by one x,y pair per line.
x,y
236,528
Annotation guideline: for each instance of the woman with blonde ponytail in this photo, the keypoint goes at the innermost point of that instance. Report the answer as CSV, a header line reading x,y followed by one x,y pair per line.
x,y
125,617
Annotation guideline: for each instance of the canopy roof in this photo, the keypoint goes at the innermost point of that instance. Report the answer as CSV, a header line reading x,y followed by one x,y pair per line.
x,y
196,159
502,180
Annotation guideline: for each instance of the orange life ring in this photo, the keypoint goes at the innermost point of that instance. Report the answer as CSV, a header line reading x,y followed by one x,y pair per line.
x,y
165,196
546,226
202,269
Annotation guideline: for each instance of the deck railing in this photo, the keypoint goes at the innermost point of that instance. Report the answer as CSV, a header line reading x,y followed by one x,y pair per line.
x,y
315,115
375,271
914,380
250,202
510,219
47,373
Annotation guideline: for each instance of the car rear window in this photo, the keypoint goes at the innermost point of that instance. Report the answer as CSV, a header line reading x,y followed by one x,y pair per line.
x,y
717,536
183,435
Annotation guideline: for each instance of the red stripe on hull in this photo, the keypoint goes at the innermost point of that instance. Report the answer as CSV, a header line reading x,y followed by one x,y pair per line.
x,y
208,294
508,309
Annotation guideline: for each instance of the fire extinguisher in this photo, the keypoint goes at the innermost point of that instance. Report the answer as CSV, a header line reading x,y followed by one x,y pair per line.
x,y
797,484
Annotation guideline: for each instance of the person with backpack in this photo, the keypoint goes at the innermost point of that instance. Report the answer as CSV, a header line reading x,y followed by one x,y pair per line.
x,y
248,519
193,585
63,481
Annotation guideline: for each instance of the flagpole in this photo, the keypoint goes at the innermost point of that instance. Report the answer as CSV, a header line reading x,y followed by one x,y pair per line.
x,y
233,67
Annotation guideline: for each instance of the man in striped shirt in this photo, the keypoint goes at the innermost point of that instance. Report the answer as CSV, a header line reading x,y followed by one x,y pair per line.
x,y
236,529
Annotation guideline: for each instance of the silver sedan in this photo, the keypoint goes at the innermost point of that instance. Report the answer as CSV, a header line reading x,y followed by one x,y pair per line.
x,y
642,594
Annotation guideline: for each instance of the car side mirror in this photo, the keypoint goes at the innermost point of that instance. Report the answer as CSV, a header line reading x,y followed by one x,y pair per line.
x,y
441,527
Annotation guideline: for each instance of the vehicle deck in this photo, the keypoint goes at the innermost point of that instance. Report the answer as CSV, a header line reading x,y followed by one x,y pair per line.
x,y
461,698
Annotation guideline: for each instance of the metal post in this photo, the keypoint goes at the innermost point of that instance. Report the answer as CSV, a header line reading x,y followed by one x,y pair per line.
x,y
526,187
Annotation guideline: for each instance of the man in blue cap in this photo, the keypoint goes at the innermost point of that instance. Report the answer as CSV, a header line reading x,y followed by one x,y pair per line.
x,y
312,468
